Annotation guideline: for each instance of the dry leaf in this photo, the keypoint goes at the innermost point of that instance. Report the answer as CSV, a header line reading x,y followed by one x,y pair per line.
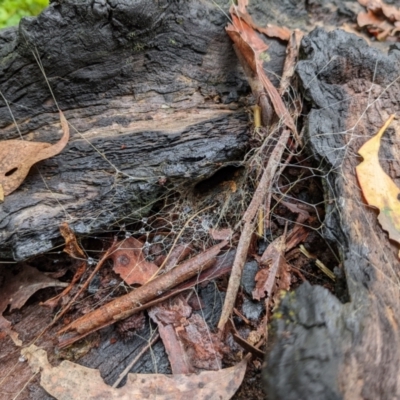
x,y
252,48
130,263
18,156
72,247
391,12
380,19
72,381
368,18
19,284
378,188
204,349
269,281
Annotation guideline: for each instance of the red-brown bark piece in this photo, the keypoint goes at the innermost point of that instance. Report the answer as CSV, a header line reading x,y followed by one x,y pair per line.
x,y
168,316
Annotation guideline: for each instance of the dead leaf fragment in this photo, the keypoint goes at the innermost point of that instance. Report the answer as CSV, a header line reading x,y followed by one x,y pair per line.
x,y
269,281
130,263
380,19
18,156
378,188
251,47
73,381
72,247
19,284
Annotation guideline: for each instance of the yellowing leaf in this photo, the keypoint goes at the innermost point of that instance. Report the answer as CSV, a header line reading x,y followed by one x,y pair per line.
x,y
378,188
18,156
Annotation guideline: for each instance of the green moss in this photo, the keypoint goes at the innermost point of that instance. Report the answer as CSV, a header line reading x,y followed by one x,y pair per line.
x,y
11,11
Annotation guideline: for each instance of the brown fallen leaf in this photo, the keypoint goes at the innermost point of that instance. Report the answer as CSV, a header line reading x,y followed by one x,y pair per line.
x,y
270,281
72,247
130,263
18,156
368,18
18,285
380,19
251,47
72,381
378,188
204,349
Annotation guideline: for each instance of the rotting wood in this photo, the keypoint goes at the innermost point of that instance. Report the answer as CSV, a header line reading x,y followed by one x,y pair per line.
x,y
320,347
150,95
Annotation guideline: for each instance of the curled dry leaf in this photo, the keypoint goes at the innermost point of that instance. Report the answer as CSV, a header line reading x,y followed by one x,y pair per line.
x,y
73,381
378,188
252,47
130,263
380,19
269,281
18,156
72,247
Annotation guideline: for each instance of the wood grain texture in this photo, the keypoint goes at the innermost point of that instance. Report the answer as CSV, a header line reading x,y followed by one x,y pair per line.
x,y
325,348
150,89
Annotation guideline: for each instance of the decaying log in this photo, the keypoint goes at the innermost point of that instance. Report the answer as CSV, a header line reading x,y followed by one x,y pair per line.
x,y
324,348
153,94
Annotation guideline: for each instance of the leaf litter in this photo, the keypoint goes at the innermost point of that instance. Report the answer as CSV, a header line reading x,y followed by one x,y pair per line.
x,y
18,156
161,284
377,187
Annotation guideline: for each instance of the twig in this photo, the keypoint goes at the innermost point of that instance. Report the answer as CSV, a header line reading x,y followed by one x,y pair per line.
x,y
135,360
86,284
126,305
249,222
292,54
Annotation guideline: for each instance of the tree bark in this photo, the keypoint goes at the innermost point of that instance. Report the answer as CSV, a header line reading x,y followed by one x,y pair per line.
x,y
154,98
348,349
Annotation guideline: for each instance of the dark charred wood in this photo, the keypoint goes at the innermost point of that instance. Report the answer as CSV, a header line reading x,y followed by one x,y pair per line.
x,y
323,348
154,97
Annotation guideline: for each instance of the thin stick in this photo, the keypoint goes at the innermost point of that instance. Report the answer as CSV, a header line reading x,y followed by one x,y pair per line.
x,y
135,360
126,305
86,284
248,229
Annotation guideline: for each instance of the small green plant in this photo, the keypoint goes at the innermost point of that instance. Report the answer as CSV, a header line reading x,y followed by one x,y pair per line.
x,y
11,11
